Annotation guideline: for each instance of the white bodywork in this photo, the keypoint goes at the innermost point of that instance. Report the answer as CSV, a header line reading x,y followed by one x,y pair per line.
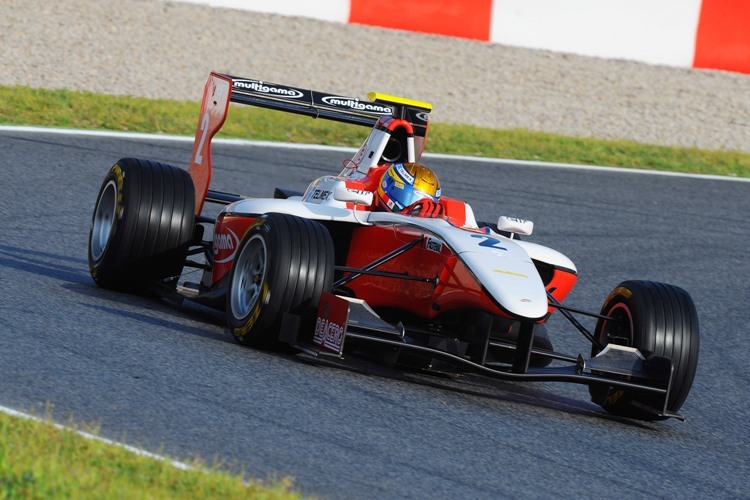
x,y
503,266
500,264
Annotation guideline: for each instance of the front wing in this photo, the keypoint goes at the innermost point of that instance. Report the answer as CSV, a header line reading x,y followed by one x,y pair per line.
x,y
343,320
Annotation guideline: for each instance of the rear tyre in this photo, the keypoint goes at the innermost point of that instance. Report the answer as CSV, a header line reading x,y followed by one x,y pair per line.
x,y
142,225
654,318
283,265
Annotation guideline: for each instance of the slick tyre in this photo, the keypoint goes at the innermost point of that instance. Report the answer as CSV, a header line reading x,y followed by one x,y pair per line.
x,y
142,225
654,318
283,265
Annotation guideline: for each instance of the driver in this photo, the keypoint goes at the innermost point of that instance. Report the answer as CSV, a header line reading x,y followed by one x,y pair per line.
x,y
411,189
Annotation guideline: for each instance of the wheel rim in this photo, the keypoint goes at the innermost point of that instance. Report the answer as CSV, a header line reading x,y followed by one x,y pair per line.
x,y
249,276
103,222
622,327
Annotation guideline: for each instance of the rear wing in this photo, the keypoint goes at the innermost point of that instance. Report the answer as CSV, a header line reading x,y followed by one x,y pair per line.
x,y
221,89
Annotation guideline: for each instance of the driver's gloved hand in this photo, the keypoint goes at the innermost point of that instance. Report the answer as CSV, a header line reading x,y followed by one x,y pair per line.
x,y
424,208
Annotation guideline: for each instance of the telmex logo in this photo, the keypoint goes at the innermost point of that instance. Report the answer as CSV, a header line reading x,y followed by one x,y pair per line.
x,y
265,88
404,174
356,104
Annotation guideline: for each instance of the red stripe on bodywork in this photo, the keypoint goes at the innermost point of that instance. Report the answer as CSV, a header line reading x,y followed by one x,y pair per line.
x,y
440,17
723,38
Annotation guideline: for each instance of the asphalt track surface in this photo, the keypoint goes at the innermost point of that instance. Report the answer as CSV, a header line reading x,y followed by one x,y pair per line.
x,y
172,380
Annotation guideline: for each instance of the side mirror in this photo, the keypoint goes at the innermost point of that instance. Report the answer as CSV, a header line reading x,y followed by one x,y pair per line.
x,y
514,225
356,196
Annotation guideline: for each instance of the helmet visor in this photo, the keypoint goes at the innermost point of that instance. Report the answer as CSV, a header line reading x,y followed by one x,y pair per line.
x,y
401,195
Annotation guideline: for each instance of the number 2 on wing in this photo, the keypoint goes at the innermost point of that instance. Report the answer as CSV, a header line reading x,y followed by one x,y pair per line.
x,y
204,132
489,242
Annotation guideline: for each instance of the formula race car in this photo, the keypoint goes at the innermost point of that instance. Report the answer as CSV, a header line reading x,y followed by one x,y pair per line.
x,y
338,269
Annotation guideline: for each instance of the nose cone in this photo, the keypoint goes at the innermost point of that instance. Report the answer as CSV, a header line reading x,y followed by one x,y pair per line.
x,y
510,278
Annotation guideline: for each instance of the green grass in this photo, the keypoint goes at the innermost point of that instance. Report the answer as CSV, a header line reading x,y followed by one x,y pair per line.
x,y
39,460
62,108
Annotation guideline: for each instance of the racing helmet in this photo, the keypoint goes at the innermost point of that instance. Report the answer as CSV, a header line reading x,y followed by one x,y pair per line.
x,y
404,184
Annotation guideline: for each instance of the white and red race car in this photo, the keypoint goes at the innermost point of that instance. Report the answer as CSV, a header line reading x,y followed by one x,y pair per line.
x,y
326,273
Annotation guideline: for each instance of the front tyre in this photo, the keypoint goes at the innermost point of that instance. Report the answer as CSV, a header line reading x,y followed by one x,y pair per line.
x,y
142,225
283,265
654,318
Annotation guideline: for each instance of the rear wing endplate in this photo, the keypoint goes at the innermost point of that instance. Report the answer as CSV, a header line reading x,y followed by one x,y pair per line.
x,y
222,89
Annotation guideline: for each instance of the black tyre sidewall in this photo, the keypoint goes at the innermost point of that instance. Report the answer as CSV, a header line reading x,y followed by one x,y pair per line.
x,y
251,327
102,269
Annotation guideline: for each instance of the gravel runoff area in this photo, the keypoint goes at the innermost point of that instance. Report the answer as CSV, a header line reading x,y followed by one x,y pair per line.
x,y
156,48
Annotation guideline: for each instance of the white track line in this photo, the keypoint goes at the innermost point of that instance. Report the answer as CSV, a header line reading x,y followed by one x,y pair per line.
x,y
317,147
87,435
